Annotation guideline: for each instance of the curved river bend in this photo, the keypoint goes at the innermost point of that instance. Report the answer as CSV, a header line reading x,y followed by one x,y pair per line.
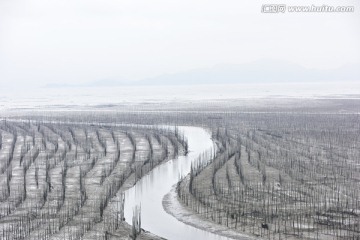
x,y
151,188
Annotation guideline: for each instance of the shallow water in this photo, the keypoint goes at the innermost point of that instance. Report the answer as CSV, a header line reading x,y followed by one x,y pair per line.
x,y
103,97
151,189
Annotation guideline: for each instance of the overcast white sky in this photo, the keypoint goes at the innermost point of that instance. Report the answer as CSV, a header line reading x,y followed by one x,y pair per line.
x,y
76,41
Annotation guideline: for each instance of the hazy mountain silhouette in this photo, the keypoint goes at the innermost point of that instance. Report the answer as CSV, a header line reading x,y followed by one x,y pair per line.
x,y
264,71
257,72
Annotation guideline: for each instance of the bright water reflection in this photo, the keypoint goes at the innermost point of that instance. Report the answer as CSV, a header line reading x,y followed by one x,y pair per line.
x,y
151,189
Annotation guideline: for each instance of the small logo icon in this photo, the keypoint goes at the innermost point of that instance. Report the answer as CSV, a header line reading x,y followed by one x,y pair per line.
x,y
273,8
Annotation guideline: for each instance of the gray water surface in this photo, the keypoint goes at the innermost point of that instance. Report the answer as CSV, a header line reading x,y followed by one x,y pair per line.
x,y
151,189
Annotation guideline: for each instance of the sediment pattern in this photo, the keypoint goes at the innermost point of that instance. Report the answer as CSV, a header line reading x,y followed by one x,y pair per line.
x,y
299,180
65,181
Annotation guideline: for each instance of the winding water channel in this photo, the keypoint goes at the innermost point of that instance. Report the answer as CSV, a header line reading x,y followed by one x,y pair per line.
x,y
151,189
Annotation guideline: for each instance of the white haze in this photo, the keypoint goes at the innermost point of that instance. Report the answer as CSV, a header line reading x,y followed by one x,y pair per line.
x,y
78,41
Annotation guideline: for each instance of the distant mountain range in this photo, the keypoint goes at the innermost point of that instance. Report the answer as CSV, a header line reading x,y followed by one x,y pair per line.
x,y
257,72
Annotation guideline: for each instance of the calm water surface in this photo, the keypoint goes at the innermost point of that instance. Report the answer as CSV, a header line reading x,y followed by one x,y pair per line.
x,y
151,189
